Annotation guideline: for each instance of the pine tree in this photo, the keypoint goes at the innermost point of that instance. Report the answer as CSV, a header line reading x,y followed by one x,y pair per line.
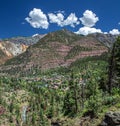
x,y
51,110
94,101
117,60
114,66
70,106
111,69
41,117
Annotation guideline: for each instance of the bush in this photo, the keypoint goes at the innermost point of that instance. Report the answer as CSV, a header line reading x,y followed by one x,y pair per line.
x,y
94,104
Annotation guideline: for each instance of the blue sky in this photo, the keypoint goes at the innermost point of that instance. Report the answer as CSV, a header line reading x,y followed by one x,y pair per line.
x,y
28,17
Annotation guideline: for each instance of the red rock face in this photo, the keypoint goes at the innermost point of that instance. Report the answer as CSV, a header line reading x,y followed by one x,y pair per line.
x,y
63,50
55,55
85,54
57,49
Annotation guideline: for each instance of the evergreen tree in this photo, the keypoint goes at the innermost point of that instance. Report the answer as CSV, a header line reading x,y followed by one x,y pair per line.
x,y
94,99
114,66
117,60
70,106
51,109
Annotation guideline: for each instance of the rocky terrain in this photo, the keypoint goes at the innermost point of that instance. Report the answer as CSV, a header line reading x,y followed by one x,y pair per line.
x,y
111,119
106,39
9,50
26,40
12,47
60,48
74,93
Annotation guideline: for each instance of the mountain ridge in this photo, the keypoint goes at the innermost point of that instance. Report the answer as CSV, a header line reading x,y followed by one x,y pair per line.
x,y
56,49
25,40
12,47
9,50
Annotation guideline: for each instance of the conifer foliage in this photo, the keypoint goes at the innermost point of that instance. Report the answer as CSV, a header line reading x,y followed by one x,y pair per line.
x,y
114,66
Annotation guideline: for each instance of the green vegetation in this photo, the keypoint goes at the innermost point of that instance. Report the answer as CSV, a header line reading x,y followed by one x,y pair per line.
x,y
18,59
62,96
76,50
64,36
114,66
57,94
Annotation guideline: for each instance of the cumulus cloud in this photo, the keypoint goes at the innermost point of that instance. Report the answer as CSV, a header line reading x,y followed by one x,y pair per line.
x,y
89,18
37,19
114,32
71,20
87,30
58,18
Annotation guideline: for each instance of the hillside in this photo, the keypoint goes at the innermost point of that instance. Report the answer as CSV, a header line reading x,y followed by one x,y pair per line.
x,y
25,40
8,50
12,47
56,49
77,92
106,39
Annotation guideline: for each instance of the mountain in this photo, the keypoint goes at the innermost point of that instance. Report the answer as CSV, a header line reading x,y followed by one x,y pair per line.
x,y
8,50
14,46
19,44
32,94
60,48
26,40
106,39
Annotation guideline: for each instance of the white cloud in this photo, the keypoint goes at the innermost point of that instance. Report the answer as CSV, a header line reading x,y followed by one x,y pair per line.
x,y
37,19
71,20
114,32
118,23
89,18
58,18
87,30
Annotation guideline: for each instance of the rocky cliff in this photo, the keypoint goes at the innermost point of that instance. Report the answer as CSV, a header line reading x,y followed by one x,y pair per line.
x,y
9,50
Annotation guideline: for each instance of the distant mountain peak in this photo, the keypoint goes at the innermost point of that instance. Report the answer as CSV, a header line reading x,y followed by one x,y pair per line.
x,y
35,35
106,39
59,48
26,40
64,36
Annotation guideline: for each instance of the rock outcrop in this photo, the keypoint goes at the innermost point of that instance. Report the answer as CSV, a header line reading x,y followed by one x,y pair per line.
x,y
111,119
9,50
60,48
